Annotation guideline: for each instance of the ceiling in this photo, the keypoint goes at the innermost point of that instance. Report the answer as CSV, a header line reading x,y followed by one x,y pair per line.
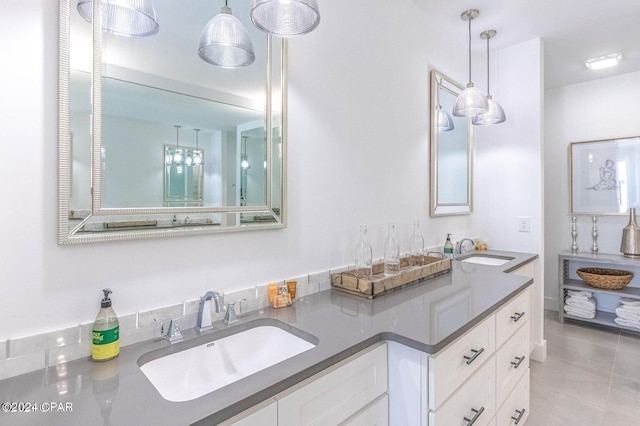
x,y
572,30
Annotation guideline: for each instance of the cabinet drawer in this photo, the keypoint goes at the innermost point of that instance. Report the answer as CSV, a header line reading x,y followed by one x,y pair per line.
x,y
476,399
511,316
512,360
516,407
374,414
453,365
332,396
263,414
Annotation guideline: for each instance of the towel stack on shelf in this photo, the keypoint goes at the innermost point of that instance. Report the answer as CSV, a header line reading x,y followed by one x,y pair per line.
x,y
581,304
628,313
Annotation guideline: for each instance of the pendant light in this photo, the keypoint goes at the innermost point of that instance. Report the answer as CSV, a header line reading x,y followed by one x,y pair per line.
x,y
285,18
177,156
133,18
197,157
244,162
225,42
471,100
495,115
444,122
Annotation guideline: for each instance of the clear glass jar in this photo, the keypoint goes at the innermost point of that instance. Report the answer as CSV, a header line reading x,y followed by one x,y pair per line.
x,y
391,253
364,255
417,245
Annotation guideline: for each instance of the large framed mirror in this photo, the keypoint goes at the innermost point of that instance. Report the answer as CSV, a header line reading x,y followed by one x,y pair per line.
x,y
156,142
451,151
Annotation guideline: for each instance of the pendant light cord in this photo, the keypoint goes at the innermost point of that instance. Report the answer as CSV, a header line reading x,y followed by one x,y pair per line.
x,y
488,91
470,48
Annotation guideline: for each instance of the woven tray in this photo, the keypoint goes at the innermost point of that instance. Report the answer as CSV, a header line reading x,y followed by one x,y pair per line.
x,y
609,279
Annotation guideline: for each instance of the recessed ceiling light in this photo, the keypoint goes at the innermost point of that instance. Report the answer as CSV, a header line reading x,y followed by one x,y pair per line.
x,y
605,61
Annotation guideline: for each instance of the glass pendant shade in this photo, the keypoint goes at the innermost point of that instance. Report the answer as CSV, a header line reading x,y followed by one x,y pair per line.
x,y
495,115
470,102
188,160
197,159
177,157
285,18
133,18
444,121
225,42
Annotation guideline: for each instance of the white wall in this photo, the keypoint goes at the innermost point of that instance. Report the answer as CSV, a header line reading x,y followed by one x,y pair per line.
x,y
358,154
601,109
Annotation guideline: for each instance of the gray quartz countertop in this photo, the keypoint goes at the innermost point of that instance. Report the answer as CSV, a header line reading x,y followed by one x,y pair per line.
x,y
426,316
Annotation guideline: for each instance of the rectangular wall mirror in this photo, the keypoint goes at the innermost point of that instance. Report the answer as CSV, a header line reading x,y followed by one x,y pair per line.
x,y
451,151
156,142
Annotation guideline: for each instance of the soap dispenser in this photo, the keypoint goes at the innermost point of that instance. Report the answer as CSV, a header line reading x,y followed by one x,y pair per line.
x,y
106,331
448,247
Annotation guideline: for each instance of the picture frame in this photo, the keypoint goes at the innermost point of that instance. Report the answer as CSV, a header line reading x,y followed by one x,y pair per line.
x,y
604,176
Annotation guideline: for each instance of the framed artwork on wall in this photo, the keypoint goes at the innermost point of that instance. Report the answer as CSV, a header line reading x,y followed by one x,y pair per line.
x,y
604,176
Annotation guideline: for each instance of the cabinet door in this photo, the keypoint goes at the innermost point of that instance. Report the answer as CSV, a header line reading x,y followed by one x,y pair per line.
x,y
511,316
332,396
374,414
452,366
263,414
512,360
515,409
473,403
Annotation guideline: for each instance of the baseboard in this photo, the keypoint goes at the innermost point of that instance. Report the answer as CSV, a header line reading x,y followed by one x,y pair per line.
x,y
539,352
551,303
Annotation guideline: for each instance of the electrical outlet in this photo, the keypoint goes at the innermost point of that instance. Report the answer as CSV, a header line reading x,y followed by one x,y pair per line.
x,y
524,224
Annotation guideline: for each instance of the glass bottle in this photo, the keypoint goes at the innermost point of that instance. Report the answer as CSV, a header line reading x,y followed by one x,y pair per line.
x,y
391,253
417,245
364,255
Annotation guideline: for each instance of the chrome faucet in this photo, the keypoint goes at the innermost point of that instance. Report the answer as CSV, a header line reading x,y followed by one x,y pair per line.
x,y
204,310
460,244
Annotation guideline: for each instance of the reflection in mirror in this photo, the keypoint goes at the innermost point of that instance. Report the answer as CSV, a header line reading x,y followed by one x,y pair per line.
x,y
451,151
115,178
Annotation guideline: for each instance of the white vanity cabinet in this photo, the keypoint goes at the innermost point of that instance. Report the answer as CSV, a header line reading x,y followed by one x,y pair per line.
x,y
496,388
333,396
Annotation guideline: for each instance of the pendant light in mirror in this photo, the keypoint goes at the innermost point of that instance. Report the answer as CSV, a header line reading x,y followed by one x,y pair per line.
x,y
496,114
285,18
177,156
225,42
471,100
197,157
133,18
444,121
244,161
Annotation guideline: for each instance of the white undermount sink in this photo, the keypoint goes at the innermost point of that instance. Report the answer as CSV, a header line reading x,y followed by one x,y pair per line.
x,y
486,259
195,371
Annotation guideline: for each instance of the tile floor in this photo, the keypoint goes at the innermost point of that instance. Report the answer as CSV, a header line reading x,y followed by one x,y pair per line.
x,y
591,377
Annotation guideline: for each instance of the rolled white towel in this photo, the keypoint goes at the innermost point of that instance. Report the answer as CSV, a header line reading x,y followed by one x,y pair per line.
x,y
627,323
577,312
580,293
630,302
589,304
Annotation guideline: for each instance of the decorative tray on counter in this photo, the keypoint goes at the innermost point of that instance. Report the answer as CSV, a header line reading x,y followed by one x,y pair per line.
x,y
378,284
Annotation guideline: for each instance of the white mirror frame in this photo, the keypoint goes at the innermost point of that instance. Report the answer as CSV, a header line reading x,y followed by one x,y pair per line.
x,y
71,236
437,207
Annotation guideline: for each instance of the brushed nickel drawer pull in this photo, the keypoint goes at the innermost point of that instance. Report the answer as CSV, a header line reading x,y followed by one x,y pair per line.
x,y
520,414
517,316
518,361
476,354
477,414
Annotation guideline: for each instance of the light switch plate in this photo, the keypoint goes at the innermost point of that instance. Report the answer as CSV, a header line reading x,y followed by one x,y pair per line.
x,y
524,224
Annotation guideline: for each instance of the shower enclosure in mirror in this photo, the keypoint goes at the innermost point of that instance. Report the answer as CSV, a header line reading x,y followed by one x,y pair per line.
x,y
451,151
124,170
